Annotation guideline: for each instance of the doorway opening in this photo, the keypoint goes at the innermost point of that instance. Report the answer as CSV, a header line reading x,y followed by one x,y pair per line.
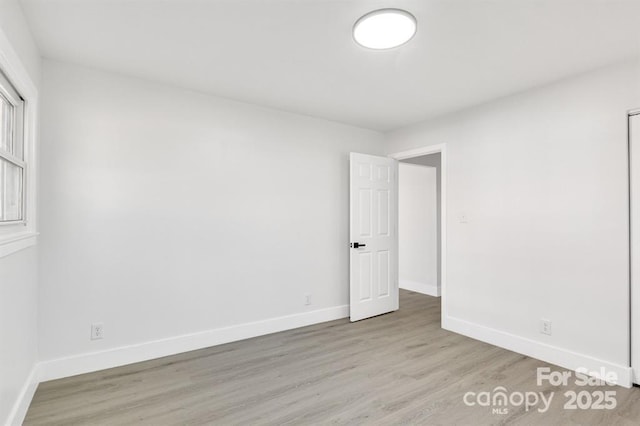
x,y
419,224
373,229
421,221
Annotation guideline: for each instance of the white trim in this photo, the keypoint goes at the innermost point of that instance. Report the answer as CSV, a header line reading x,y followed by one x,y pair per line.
x,y
94,361
634,277
12,159
21,406
539,350
418,287
17,242
418,152
14,70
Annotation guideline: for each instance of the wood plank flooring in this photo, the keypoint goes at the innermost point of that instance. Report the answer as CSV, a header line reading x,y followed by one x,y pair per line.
x,y
399,368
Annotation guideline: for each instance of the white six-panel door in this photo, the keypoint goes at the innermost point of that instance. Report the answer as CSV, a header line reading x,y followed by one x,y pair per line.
x,y
373,226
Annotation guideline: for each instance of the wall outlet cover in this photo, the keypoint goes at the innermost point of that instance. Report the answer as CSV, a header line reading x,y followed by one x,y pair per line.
x,y
545,326
97,331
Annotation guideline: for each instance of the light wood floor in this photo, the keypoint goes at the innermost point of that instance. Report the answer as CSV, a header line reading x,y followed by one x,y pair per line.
x,y
399,368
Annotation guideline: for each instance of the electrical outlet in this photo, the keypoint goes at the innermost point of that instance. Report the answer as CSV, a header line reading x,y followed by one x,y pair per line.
x,y
307,299
545,326
97,330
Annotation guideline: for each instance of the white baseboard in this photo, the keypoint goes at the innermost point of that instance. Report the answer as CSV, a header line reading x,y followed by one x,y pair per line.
x,y
94,361
418,287
19,410
542,351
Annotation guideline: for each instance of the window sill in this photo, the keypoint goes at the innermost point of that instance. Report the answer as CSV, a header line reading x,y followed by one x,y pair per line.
x,y
16,242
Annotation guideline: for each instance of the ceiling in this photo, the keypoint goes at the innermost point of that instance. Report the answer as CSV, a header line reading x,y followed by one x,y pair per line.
x,y
299,56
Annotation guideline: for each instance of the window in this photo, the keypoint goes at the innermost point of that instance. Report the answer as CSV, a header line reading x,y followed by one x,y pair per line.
x,y
18,132
12,159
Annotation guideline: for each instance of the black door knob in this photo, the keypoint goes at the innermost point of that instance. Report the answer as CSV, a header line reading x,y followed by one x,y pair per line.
x,y
356,245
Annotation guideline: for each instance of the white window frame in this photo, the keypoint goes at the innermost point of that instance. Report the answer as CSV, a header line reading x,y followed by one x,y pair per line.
x,y
8,95
21,234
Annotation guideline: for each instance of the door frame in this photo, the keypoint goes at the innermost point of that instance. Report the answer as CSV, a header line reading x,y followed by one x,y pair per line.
x,y
419,152
633,291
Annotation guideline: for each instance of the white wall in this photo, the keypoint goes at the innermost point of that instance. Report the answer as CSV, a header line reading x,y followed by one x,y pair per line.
x,y
14,26
170,212
418,228
18,328
18,271
542,179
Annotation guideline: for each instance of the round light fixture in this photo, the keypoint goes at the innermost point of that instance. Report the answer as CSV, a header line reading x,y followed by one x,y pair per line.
x,y
385,29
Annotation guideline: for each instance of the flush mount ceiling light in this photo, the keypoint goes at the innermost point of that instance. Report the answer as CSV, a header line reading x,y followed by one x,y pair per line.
x,y
384,29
